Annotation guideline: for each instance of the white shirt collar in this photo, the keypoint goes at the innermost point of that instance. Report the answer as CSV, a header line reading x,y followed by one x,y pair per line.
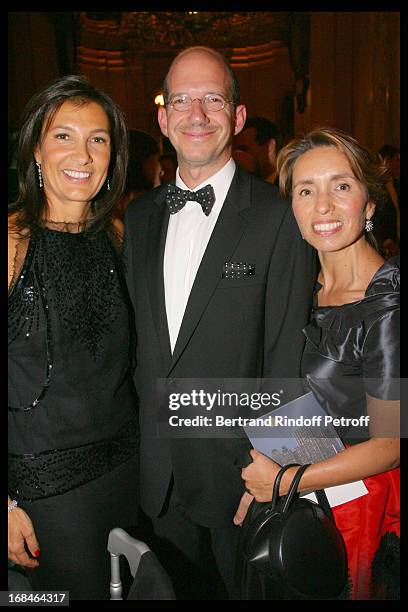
x,y
220,182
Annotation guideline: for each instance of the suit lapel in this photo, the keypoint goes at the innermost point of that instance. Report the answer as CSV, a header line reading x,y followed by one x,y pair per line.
x,y
156,241
228,230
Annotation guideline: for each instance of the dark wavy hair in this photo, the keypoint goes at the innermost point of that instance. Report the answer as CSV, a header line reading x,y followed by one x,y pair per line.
x,y
365,164
31,203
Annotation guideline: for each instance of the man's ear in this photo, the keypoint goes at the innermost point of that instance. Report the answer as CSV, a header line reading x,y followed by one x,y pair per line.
x,y
272,150
240,118
162,119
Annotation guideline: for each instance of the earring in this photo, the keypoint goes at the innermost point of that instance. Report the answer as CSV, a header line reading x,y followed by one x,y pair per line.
x,y
369,225
108,185
40,179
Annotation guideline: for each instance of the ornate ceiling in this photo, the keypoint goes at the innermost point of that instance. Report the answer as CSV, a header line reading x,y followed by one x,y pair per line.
x,y
160,31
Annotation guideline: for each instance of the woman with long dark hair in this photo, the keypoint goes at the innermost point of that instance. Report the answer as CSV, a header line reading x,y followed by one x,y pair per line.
x,y
73,431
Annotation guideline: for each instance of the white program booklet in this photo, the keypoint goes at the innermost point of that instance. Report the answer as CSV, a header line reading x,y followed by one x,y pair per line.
x,y
302,432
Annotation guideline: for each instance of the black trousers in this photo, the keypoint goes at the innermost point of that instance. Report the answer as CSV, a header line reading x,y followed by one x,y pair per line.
x,y
201,561
72,530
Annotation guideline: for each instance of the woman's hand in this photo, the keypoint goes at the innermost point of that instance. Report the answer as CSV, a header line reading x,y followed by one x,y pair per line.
x,y
354,463
260,476
21,532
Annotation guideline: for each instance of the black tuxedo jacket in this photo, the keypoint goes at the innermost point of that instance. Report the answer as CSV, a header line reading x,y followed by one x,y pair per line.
x,y
245,327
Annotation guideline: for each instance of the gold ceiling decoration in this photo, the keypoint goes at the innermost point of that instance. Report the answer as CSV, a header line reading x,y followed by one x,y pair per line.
x,y
179,29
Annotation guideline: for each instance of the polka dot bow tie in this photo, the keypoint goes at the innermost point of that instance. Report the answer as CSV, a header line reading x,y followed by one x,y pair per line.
x,y
176,198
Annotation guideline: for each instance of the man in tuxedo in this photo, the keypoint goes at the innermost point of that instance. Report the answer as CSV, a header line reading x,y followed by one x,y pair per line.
x,y
221,288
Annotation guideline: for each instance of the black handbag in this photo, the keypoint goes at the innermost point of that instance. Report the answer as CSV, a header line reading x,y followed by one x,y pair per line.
x,y
292,548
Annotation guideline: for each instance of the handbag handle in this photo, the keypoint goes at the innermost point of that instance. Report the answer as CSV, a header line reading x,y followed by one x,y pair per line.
x,y
276,485
320,493
293,487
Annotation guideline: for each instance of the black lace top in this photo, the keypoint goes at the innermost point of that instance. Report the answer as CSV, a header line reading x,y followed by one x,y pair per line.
x,y
69,343
354,349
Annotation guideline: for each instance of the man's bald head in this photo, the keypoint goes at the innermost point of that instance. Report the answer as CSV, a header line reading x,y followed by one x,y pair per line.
x,y
216,55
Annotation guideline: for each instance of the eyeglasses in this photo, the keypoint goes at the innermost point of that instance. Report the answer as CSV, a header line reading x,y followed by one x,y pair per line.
x,y
211,102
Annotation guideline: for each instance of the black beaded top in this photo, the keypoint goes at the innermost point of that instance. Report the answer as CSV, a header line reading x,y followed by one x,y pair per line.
x,y
69,342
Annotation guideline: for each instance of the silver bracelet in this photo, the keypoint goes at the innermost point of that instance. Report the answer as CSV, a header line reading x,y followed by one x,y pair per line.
x,y
12,505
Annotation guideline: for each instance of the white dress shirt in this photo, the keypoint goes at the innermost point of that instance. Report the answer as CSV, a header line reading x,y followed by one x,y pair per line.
x,y
188,234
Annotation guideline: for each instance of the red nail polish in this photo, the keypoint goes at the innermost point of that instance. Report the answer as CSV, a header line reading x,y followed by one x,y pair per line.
x,y
36,553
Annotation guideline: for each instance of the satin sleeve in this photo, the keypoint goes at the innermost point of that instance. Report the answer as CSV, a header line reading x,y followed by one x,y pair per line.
x,y
381,357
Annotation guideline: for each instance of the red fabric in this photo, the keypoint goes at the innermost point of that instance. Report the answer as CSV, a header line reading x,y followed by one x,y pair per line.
x,y
363,522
